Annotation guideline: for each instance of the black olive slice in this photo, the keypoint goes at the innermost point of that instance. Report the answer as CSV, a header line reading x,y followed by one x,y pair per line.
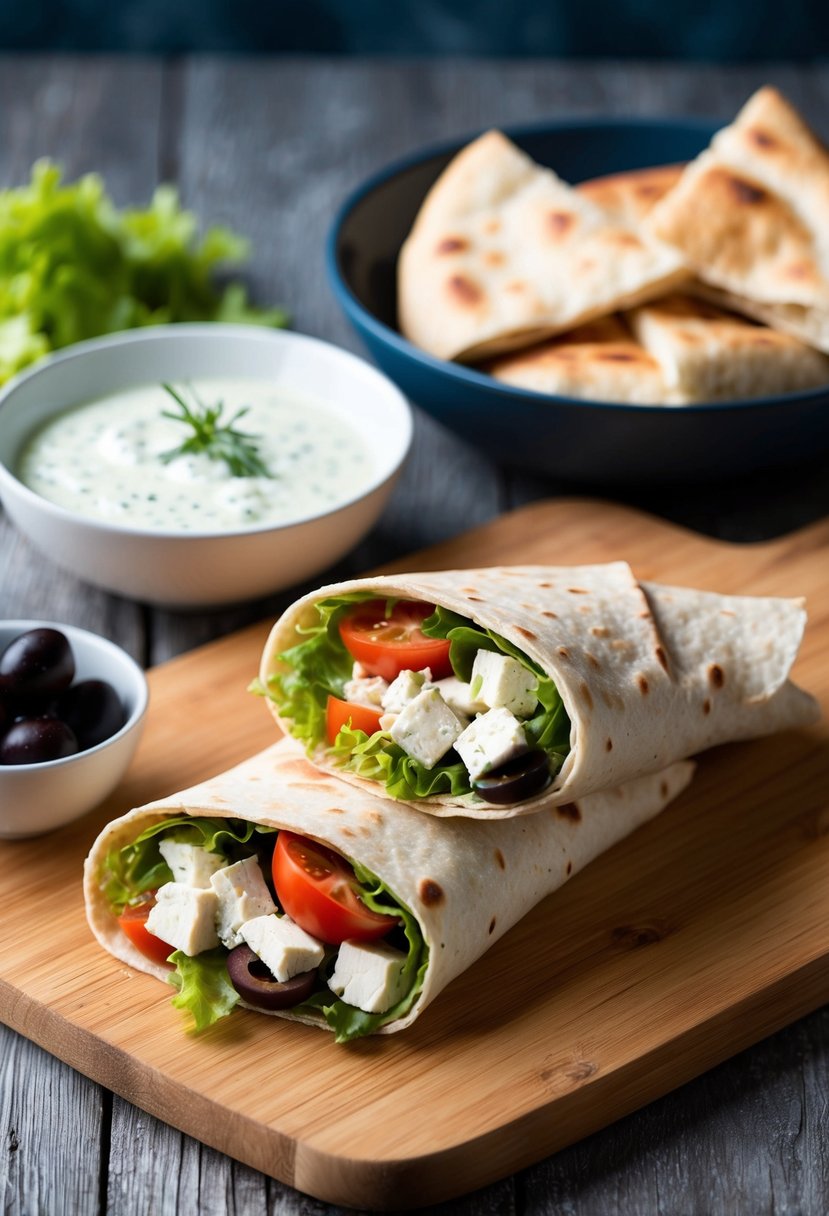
x,y
256,984
515,781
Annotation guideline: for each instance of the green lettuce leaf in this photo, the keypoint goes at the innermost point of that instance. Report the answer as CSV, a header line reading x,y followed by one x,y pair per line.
x,y
139,867
72,266
204,987
379,758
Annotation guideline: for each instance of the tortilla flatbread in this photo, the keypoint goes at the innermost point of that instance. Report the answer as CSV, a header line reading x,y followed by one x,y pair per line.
x,y
504,253
465,884
648,674
751,216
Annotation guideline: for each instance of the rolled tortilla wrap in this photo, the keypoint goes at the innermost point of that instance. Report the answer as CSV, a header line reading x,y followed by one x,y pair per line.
x,y
648,674
465,883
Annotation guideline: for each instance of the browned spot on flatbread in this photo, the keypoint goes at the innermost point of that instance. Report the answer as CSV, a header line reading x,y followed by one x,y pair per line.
x,y
303,785
617,356
587,696
492,925
526,633
560,222
491,226
661,657
577,590
499,858
552,616
799,270
452,244
464,290
706,706
568,810
562,653
608,747
544,586
348,832
727,612
644,686
569,867
600,631
592,660
516,285
716,675
338,810
469,590
761,138
474,599
746,193
430,892
494,257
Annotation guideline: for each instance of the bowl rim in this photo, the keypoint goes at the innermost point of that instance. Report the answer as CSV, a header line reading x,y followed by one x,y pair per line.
x,y
469,376
137,675
213,330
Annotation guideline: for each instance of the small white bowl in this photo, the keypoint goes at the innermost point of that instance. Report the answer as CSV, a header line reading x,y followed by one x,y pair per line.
x,y
202,568
35,798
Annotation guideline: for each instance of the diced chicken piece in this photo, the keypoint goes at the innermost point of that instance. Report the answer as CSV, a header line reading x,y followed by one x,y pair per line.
x,y
458,696
242,895
501,681
284,948
184,917
404,688
491,740
190,863
369,975
426,728
365,691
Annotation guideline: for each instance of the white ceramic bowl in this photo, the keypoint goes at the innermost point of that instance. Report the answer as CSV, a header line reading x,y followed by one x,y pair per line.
x,y
35,798
202,568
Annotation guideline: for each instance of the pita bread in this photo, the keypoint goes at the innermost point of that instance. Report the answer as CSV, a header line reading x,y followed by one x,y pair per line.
x,y
751,216
466,884
647,674
626,198
706,354
504,253
677,350
599,361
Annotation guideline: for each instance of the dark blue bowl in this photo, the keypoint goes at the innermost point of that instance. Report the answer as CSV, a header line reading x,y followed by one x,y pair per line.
x,y
575,439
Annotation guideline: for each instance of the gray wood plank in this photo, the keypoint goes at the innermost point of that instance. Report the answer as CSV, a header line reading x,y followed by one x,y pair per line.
x,y
50,1122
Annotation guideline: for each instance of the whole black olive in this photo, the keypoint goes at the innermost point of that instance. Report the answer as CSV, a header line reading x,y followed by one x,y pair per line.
x,y
256,984
515,781
93,711
35,740
37,664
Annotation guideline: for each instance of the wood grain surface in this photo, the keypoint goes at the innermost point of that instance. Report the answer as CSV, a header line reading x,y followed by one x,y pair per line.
x,y
700,934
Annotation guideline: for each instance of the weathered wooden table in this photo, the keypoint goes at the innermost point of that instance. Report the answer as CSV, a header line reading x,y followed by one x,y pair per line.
x,y
271,147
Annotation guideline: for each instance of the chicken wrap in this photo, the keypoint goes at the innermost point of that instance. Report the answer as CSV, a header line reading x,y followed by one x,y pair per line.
x,y
276,886
491,693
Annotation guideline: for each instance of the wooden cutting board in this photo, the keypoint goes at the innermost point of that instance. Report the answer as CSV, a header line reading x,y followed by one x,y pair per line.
x,y
697,936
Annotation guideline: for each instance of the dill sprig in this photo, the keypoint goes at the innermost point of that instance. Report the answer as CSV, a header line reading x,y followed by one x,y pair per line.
x,y
238,449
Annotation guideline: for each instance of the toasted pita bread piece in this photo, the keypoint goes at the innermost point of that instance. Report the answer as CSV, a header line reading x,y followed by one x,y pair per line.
x,y
751,215
599,361
504,253
706,354
675,351
626,198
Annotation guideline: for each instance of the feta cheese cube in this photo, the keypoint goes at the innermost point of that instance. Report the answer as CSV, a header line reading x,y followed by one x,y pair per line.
x,y
284,948
365,691
191,864
499,680
426,728
490,740
184,917
458,696
369,975
404,688
242,895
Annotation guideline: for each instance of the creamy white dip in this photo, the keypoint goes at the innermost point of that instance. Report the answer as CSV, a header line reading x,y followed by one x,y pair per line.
x,y
103,459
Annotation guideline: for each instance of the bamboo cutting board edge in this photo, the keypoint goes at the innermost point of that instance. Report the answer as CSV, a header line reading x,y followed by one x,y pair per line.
x,y
593,1100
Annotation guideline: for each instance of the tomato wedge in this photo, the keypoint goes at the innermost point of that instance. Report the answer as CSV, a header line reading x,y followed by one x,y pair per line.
x,y
317,889
133,922
387,643
361,717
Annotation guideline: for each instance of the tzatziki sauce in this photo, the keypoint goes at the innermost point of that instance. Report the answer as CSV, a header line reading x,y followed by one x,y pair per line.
x,y
103,459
